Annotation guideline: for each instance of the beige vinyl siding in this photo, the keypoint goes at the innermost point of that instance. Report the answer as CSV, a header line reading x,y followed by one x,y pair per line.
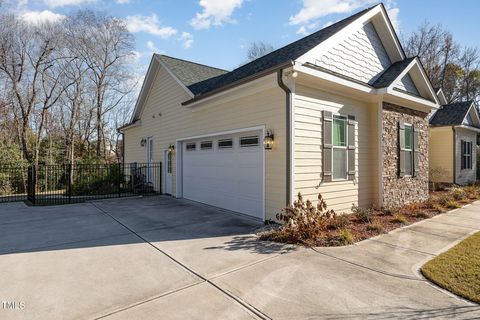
x,y
466,176
440,152
339,195
265,108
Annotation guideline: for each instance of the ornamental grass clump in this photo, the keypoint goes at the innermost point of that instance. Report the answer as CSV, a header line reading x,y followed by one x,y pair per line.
x,y
458,194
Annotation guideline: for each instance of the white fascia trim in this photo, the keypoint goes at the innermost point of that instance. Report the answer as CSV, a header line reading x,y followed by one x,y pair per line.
x,y
175,77
417,100
392,32
416,64
468,112
333,78
441,97
132,125
146,82
468,128
401,75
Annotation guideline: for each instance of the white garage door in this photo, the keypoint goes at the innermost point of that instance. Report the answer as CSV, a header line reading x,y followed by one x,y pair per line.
x,y
225,171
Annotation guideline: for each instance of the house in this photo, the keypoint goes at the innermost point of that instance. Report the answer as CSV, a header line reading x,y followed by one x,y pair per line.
x,y
453,143
341,112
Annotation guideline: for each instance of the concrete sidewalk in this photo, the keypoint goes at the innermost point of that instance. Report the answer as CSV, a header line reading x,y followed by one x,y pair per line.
x,y
158,257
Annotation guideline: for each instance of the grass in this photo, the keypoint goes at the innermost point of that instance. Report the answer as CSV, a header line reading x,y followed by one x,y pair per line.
x,y
458,269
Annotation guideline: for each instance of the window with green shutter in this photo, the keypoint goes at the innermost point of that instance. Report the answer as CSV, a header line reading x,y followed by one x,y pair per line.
x,y
339,134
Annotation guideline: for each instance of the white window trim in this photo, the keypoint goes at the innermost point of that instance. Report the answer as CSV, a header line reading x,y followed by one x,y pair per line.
x,y
468,156
409,150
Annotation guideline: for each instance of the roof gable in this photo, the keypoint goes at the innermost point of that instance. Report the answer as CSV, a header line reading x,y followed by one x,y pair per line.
x,y
452,114
190,72
406,84
361,55
276,58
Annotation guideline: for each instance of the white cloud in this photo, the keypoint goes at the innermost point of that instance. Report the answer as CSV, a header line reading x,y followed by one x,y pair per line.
x,y
153,48
215,12
63,3
122,1
303,31
187,39
314,9
150,25
37,17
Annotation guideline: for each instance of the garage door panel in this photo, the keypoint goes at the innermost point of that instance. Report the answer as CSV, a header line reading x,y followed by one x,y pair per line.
x,y
229,178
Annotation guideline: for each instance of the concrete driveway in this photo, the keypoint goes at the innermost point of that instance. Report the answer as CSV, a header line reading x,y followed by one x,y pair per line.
x,y
160,258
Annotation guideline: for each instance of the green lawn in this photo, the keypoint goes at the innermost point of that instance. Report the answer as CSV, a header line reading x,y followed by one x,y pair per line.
x,y
458,269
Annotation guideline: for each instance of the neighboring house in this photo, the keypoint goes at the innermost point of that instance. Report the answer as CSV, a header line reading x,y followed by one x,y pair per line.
x,y
345,108
453,143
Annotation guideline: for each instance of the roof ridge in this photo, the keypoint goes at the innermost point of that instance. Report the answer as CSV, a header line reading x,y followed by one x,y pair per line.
x,y
192,62
310,35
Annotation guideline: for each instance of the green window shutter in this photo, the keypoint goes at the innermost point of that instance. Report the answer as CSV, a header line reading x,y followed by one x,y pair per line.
x,y
416,167
327,146
401,146
351,147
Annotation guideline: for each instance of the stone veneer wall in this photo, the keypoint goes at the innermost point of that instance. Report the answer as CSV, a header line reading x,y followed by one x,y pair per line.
x,y
399,191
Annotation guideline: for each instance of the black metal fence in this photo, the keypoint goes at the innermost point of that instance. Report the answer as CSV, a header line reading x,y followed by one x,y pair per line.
x,y
61,184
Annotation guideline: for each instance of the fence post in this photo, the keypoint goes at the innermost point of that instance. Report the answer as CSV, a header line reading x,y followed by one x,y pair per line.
x,y
32,184
69,176
120,178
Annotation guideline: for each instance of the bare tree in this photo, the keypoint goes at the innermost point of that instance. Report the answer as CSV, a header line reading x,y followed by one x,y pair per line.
x,y
450,67
105,46
258,49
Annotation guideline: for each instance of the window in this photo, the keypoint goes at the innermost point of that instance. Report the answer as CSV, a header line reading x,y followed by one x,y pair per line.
x,y
466,154
191,146
339,159
251,141
225,143
408,149
206,145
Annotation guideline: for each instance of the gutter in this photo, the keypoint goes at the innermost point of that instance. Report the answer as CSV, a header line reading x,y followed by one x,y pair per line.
x,y
454,155
288,104
237,83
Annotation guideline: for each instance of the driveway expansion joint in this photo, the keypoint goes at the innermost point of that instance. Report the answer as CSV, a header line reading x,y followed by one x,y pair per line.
x,y
394,275
247,306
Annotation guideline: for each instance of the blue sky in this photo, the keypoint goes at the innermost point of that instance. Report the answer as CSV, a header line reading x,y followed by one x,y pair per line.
x,y
218,32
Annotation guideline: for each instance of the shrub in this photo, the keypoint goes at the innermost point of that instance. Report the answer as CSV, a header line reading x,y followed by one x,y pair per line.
x,y
452,204
399,218
339,221
362,214
458,193
422,215
375,226
472,192
445,200
389,211
345,237
303,222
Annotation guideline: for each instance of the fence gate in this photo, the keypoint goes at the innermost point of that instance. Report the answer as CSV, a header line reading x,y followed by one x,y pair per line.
x,y
73,183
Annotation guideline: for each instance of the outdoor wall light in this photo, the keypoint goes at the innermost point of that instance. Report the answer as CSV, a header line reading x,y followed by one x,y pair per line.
x,y
268,140
143,142
171,149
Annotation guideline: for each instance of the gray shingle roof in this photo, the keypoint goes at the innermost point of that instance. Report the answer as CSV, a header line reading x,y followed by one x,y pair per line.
x,y
451,114
190,72
275,58
201,79
392,73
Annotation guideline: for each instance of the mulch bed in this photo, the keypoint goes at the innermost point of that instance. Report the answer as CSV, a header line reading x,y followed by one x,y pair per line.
x,y
381,221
